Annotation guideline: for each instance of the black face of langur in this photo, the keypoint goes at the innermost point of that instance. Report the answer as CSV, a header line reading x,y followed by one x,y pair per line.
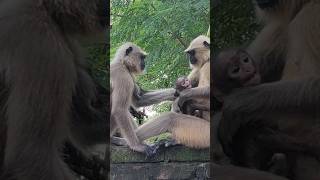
x,y
196,48
134,60
233,69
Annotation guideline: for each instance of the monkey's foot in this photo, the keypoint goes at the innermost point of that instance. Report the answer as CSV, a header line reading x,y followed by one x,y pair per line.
x,y
171,142
157,147
149,151
118,141
165,143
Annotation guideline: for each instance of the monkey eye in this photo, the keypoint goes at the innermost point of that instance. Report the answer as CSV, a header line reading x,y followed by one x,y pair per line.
x,y
246,60
191,52
143,56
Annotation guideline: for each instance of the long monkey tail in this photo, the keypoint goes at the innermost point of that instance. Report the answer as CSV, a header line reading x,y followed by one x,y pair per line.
x,y
187,130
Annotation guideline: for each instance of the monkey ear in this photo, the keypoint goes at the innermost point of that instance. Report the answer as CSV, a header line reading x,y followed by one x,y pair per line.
x,y
206,44
129,50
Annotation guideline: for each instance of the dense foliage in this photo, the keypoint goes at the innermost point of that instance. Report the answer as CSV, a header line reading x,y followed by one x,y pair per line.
x,y
164,29
233,24
97,63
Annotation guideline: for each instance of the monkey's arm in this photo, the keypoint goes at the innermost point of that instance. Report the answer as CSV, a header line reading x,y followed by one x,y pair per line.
x,y
263,48
155,97
198,92
250,103
194,77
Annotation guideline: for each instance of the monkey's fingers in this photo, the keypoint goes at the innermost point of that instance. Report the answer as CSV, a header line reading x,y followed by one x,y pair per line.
x,y
141,113
171,142
184,96
155,148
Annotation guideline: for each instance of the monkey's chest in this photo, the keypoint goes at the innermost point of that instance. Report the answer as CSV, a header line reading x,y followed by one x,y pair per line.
x,y
300,68
296,125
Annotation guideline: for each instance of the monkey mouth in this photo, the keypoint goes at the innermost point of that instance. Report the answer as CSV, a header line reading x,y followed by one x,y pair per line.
x,y
253,80
193,60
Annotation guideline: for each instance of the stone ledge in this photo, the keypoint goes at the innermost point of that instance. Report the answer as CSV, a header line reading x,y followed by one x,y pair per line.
x,y
120,154
162,170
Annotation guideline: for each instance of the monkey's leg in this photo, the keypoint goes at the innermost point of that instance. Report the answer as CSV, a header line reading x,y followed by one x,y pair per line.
x,y
122,141
118,141
187,130
124,122
38,110
113,125
175,106
134,124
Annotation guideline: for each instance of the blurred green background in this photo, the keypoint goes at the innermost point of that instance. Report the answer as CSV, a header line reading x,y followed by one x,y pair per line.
x,y
233,24
164,28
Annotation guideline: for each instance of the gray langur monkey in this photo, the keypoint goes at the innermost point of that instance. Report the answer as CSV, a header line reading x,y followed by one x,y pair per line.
x,y
43,79
128,62
199,60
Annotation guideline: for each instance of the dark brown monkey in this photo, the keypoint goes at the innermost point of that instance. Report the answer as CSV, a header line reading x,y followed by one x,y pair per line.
x,y
232,68
89,109
287,50
128,62
235,68
181,84
42,64
185,129
199,60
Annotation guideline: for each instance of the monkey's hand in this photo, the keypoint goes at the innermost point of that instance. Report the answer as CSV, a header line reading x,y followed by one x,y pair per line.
x,y
118,141
184,96
149,151
197,92
238,109
161,145
143,114
253,104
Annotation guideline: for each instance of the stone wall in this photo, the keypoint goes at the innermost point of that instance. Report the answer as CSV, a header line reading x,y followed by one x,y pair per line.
x,y
174,163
